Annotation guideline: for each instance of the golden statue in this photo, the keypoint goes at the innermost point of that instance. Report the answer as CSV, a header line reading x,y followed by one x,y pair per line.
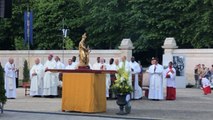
x,y
83,52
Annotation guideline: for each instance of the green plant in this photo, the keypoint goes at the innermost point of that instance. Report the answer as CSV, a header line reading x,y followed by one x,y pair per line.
x,y
122,84
68,43
26,74
3,98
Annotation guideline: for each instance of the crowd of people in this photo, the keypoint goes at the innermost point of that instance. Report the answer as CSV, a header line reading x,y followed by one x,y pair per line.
x,y
45,83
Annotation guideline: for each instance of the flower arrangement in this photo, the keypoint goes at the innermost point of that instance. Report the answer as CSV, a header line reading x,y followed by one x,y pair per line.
x,y
122,84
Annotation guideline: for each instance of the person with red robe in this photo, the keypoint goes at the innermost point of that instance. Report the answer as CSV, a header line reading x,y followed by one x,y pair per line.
x,y
170,75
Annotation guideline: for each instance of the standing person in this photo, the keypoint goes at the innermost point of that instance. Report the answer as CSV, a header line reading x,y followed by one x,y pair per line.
x,y
70,65
156,81
59,64
74,62
50,79
170,75
36,76
97,65
135,70
10,81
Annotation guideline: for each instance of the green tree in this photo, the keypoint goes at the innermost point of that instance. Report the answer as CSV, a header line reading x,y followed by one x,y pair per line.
x,y
3,98
26,74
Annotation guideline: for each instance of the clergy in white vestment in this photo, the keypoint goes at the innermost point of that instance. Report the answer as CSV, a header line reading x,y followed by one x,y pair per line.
x,y
104,66
50,79
155,81
135,70
169,75
10,82
59,64
70,65
97,65
36,77
74,62
127,67
109,77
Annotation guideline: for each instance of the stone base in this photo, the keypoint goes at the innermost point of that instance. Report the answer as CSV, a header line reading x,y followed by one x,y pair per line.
x,y
84,67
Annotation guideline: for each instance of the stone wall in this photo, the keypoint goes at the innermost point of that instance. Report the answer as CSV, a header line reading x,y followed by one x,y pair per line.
x,y
191,57
21,55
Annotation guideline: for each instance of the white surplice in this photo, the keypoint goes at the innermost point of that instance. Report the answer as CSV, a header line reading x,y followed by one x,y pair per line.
x,y
59,65
171,80
36,87
50,79
10,82
156,82
108,78
71,67
96,66
136,71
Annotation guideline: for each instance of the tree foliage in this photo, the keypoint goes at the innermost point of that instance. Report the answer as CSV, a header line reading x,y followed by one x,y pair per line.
x,y
26,73
146,22
3,98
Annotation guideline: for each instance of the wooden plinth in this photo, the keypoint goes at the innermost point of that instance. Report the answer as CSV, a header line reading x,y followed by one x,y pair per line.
x,y
84,92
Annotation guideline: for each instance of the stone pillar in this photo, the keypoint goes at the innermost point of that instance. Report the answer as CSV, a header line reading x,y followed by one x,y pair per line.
x,y
126,48
169,47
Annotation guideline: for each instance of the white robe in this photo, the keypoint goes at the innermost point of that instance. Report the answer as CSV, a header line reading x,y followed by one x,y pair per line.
x,y
59,65
50,79
75,64
108,78
71,67
156,82
171,80
36,87
137,89
10,82
96,66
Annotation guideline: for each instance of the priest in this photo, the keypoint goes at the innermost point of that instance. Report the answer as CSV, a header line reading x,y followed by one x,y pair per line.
x,y
97,65
50,79
155,81
36,77
170,75
135,71
10,81
71,65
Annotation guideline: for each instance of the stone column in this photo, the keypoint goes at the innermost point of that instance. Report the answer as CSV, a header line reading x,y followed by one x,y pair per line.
x,y
169,47
126,48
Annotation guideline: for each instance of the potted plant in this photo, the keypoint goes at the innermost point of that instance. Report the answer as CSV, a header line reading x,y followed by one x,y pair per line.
x,y
3,98
122,88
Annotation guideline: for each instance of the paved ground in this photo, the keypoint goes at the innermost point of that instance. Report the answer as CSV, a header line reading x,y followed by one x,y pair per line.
x,y
191,104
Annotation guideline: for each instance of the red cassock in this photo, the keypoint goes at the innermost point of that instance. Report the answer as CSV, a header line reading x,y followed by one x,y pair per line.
x,y
207,90
170,93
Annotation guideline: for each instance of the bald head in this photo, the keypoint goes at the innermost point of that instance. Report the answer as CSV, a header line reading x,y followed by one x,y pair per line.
x,y
116,62
11,60
123,58
37,61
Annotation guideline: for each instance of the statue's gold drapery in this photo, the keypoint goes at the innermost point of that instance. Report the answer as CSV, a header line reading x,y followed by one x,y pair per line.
x,y
83,52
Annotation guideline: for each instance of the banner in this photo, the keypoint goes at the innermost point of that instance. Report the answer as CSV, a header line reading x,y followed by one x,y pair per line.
x,y
28,27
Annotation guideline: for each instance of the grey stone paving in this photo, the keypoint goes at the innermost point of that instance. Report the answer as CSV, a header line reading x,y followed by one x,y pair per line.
x,y
191,104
